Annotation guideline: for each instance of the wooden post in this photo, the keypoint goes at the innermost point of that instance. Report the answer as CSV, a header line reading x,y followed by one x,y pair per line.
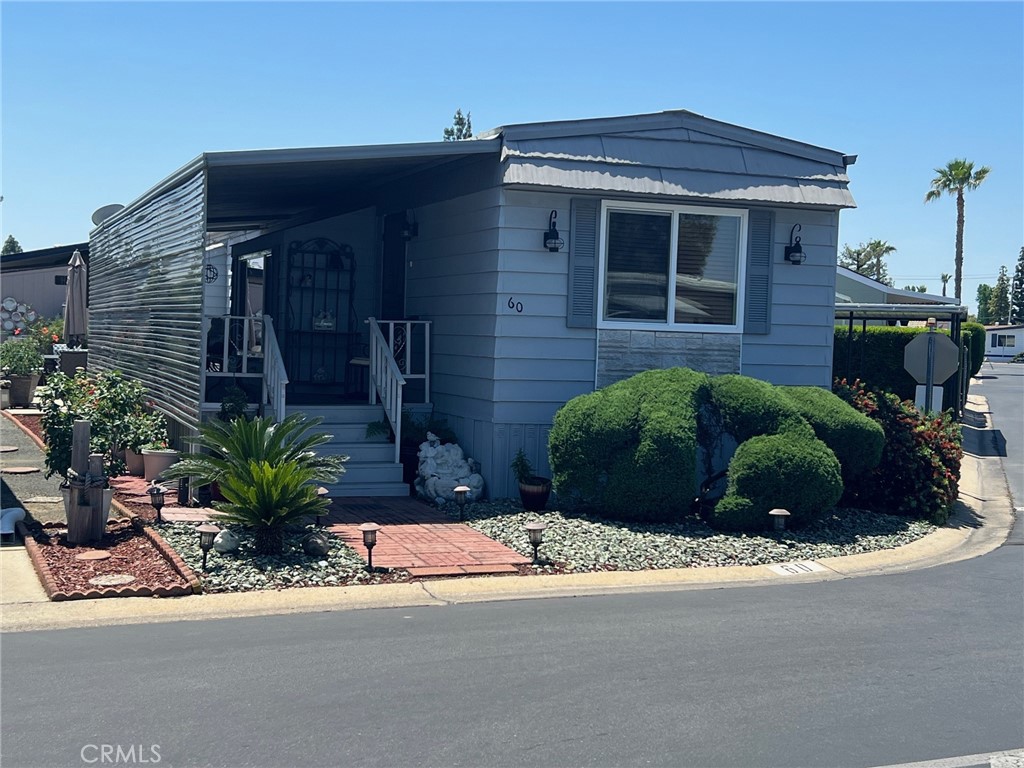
x,y
84,506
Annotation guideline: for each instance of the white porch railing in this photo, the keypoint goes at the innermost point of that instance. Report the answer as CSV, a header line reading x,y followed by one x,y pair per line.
x,y
386,382
275,377
409,343
243,347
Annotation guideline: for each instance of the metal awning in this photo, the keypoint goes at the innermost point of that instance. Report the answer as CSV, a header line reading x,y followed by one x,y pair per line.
x,y
253,189
900,311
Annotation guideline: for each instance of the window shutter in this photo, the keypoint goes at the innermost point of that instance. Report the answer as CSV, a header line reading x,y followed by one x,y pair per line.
x,y
757,316
581,310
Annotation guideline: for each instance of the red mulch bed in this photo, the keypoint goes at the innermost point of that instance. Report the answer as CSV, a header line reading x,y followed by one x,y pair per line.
x,y
34,424
132,553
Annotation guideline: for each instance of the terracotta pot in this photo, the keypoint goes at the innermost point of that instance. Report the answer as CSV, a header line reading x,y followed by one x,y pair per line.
x,y
133,461
23,389
156,460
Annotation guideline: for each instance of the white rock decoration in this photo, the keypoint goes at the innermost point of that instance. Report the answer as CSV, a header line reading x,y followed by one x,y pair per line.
x,y
226,541
444,467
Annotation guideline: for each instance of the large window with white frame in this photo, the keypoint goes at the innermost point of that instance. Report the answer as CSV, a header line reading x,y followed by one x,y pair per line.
x,y
671,266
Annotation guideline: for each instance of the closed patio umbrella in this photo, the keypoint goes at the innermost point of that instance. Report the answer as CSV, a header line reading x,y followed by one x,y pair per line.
x,y
75,317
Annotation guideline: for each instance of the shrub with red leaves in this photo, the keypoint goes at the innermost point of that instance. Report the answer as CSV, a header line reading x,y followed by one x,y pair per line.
x,y
920,469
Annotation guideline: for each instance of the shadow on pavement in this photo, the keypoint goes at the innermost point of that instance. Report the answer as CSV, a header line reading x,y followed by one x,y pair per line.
x,y
983,442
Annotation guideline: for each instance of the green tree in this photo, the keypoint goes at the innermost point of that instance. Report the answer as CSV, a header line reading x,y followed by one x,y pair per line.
x,y
957,177
999,302
945,278
11,245
1017,292
461,128
984,297
868,260
916,288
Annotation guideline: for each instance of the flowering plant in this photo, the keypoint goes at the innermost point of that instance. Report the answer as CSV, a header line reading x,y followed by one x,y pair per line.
x,y
47,333
21,357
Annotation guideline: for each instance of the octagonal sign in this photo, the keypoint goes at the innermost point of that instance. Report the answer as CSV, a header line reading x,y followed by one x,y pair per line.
x,y
915,357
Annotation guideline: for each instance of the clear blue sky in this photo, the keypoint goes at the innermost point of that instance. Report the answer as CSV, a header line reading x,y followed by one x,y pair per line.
x,y
102,101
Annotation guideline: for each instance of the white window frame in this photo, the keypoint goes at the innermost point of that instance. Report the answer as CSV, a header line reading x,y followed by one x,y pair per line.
x,y
607,206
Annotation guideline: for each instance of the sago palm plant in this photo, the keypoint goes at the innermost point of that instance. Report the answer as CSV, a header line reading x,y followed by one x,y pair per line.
x,y
229,447
266,497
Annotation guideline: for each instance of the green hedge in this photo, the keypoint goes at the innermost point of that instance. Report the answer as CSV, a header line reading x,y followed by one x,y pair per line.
x,y
878,361
751,407
791,471
630,449
856,440
974,336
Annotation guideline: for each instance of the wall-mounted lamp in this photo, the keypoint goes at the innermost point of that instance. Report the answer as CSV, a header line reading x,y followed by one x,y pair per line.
x,y
794,253
410,229
552,241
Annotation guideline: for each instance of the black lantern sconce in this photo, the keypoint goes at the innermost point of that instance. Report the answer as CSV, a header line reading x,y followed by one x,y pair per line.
x,y
410,229
156,498
552,241
794,253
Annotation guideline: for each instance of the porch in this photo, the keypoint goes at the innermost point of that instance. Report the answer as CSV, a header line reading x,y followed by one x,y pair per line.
x,y
376,380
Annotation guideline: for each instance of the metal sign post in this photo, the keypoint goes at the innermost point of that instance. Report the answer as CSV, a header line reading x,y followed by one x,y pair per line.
x,y
929,367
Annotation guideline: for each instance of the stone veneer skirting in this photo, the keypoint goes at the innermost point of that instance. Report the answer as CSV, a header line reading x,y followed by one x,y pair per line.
x,y
621,354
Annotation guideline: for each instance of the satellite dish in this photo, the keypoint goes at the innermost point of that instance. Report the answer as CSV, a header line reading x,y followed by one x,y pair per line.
x,y
101,214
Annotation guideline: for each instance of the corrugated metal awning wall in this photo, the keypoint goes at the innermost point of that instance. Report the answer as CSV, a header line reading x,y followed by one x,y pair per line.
x,y
146,289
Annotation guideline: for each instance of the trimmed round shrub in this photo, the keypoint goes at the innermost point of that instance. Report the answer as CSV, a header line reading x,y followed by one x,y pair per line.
x,y
751,407
630,449
791,471
856,440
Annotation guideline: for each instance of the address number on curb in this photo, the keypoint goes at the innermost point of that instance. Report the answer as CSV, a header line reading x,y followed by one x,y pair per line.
x,y
797,568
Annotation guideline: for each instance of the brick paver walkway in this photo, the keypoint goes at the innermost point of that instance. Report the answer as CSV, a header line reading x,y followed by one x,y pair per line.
x,y
413,536
419,538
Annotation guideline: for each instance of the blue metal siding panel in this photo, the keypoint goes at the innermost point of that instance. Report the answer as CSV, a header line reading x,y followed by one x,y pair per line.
x,y
145,296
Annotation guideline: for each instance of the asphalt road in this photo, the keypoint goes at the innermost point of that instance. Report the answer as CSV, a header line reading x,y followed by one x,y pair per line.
x,y
1002,384
861,672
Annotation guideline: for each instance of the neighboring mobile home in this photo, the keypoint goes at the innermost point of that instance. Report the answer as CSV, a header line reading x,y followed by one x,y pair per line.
x,y
1003,341
680,240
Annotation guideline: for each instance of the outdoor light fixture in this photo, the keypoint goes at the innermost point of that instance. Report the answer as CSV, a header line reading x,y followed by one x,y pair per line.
x,y
536,532
460,497
156,498
552,241
207,533
779,516
369,541
794,253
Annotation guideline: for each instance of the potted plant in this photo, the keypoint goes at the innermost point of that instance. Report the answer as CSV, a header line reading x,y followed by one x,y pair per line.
x,y
141,430
533,489
22,362
157,457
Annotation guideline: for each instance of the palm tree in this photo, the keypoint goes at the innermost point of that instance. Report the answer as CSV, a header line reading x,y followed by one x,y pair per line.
x,y
957,176
945,278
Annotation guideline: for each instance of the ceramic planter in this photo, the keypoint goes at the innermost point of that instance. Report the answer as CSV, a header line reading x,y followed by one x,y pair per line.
x,y
23,389
156,460
534,493
133,461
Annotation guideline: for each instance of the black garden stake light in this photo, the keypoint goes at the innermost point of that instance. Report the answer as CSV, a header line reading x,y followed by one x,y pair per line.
x,y
460,497
536,532
369,541
207,533
156,498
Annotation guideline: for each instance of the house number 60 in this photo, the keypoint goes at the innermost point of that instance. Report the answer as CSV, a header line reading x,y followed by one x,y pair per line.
x,y
516,305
